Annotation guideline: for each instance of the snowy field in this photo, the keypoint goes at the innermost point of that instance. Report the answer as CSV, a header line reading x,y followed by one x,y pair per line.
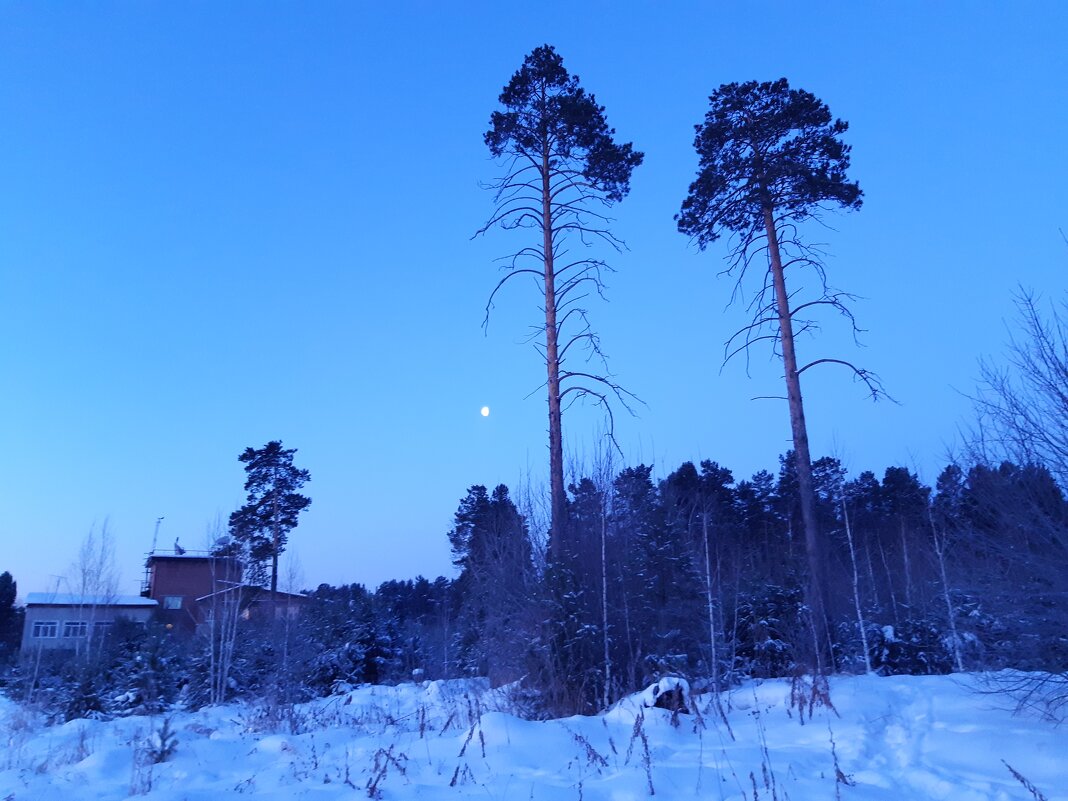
x,y
897,738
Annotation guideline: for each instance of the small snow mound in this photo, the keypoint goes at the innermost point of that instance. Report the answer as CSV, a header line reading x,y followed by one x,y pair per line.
x,y
671,693
274,744
450,690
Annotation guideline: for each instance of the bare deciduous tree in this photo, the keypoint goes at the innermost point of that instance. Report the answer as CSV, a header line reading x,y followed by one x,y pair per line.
x,y
861,626
94,578
94,571
227,567
1022,411
1023,406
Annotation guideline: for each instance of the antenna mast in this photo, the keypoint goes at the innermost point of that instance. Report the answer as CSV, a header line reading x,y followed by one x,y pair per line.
x,y
155,534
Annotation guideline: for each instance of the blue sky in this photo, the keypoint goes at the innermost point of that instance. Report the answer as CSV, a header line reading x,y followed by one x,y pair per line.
x,y
224,223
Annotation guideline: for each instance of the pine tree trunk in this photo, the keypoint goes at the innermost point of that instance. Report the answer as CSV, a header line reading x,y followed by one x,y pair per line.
x,y
558,503
604,607
275,542
813,547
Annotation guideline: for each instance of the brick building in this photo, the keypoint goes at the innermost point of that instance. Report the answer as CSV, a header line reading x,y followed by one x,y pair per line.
x,y
177,582
194,587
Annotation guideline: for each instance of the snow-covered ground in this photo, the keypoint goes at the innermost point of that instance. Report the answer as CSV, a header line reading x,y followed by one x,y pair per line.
x,y
897,738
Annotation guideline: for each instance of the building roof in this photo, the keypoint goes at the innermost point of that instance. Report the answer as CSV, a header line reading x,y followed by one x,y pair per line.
x,y
73,599
187,556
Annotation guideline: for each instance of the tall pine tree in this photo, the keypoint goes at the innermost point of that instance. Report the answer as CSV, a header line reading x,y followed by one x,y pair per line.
x,y
770,158
271,510
563,169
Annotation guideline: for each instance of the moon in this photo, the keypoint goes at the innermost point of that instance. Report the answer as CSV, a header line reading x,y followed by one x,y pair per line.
x,y
484,411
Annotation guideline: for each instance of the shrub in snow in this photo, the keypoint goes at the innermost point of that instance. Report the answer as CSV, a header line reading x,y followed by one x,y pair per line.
x,y
61,686
162,743
915,647
147,668
337,667
130,671
848,645
768,622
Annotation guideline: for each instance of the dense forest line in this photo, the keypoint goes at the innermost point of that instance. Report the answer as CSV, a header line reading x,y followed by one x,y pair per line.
x,y
697,574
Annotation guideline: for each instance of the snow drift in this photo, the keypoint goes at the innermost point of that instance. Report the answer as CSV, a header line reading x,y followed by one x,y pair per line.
x,y
896,738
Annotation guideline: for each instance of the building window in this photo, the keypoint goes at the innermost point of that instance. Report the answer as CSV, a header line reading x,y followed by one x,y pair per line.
x,y
103,627
172,602
45,628
75,628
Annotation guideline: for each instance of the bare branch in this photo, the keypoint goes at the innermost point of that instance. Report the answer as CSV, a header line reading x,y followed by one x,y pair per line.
x,y
502,282
870,379
745,347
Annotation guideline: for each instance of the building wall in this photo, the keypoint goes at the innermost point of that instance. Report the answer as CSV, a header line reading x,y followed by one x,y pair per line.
x,y
74,626
175,582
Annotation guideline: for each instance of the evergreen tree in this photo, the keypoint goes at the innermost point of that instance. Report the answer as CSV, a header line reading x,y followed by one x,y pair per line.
x,y
758,510
587,509
948,504
864,498
340,627
659,581
10,618
906,503
261,527
702,513
563,168
491,546
827,478
770,158
575,667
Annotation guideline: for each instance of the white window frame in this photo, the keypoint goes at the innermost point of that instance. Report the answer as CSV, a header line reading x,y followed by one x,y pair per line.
x,y
75,629
173,602
46,629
